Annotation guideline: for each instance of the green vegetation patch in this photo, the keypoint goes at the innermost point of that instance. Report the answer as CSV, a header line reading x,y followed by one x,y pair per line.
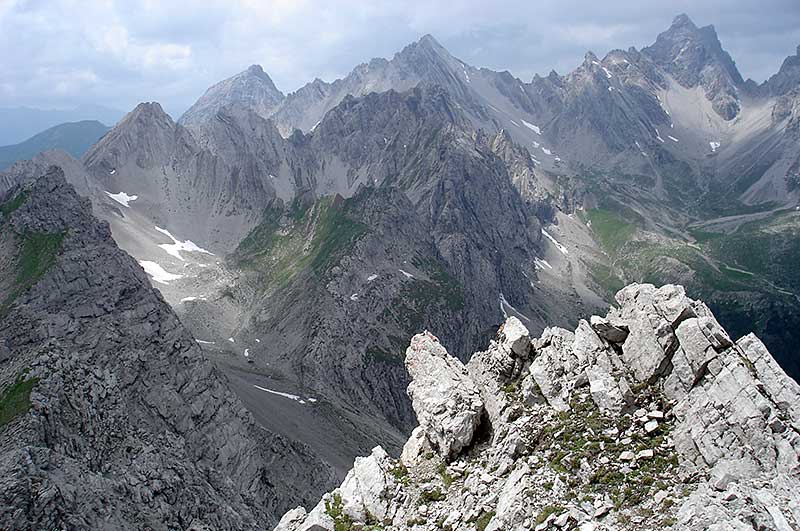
x,y
37,253
483,520
612,231
13,204
16,400
315,239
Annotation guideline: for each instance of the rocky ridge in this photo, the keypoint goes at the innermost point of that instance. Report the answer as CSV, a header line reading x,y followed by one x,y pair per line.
x,y
651,417
110,414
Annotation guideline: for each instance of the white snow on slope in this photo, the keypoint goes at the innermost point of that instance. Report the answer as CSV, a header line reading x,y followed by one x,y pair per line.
x,y
190,299
547,151
714,146
200,341
354,297
372,277
555,242
247,353
534,128
504,304
286,395
157,273
672,138
608,74
176,246
541,264
658,136
316,124
408,275
122,198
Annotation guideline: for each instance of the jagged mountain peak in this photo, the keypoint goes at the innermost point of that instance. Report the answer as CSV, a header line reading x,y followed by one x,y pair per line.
x,y
787,78
589,58
146,135
683,21
148,112
692,49
427,48
695,57
252,87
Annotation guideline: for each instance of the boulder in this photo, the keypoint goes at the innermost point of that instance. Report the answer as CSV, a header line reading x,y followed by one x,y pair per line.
x,y
608,331
502,362
553,368
366,490
446,400
651,316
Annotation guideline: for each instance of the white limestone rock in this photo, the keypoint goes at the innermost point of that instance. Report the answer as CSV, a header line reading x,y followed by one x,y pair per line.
x,y
446,400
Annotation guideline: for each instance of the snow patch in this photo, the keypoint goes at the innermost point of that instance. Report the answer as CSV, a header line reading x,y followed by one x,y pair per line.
x,y
157,273
658,136
672,138
316,124
714,146
354,297
176,246
542,264
504,304
408,275
608,74
112,172
547,151
122,198
290,396
534,128
201,342
372,277
555,242
190,299
247,353
231,340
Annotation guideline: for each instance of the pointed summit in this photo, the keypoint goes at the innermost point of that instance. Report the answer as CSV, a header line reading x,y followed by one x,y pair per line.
x,y
695,57
146,136
787,78
251,88
683,21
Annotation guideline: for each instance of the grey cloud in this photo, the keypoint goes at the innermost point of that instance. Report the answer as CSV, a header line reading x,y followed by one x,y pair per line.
x,y
61,53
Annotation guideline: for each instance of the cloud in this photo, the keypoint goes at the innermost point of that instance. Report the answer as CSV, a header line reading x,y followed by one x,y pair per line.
x,y
60,53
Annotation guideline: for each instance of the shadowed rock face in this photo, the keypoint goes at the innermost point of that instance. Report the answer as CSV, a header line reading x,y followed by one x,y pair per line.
x,y
125,423
707,434
694,56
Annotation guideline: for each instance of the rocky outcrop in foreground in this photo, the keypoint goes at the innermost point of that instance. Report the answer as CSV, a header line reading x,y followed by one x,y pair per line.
x,y
651,417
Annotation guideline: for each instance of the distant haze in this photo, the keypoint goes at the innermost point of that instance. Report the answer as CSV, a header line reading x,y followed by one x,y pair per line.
x,y
64,53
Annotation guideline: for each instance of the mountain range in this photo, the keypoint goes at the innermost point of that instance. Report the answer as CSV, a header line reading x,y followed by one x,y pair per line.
x,y
297,241
20,123
73,137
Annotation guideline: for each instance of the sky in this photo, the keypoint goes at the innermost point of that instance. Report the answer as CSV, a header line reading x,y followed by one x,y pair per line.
x,y
65,53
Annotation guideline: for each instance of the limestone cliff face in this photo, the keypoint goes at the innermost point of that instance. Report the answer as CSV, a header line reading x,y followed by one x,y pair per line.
x,y
111,416
648,418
